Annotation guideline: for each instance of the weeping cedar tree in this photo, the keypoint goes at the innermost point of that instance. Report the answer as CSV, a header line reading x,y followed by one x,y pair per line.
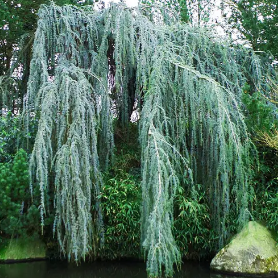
x,y
89,67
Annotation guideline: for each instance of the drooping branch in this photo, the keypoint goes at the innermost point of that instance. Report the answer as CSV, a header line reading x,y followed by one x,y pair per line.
x,y
194,114
66,144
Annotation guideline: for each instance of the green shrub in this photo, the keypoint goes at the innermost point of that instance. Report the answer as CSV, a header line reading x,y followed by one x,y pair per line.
x,y
261,117
260,113
9,131
18,216
121,202
13,136
192,228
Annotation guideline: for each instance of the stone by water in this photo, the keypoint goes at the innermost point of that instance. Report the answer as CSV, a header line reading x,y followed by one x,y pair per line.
x,y
252,251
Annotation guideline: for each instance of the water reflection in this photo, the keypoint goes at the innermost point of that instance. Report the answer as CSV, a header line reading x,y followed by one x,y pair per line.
x,y
191,269
48,269
65,270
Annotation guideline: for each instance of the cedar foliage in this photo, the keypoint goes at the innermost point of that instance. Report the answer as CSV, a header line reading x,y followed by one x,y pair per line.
x,y
89,67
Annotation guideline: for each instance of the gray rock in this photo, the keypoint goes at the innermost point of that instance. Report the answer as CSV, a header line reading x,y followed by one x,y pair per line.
x,y
252,251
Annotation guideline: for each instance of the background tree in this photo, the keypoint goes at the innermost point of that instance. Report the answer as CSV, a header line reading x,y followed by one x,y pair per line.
x,y
255,21
200,11
179,6
18,21
194,11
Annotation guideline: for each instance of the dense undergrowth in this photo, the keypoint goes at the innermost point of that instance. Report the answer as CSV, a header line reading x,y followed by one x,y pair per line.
x,y
262,118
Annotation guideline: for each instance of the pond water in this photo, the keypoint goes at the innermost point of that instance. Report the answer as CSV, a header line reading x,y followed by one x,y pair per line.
x,y
50,269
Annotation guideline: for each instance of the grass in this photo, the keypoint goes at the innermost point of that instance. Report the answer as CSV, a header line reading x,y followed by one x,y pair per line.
x,y
22,249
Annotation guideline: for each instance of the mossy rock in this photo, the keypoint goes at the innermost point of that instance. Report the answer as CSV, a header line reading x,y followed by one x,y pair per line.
x,y
252,251
22,249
